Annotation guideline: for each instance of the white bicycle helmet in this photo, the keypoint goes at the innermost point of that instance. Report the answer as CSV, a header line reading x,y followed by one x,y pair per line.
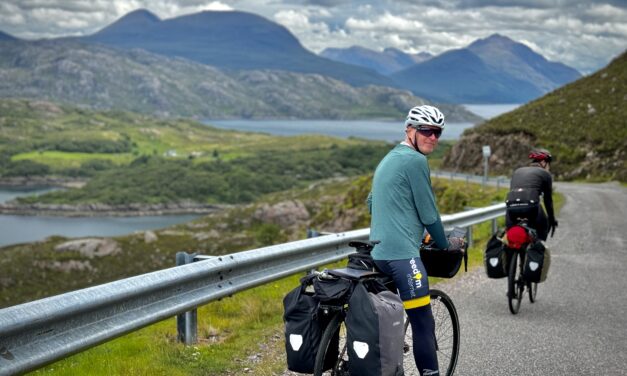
x,y
425,115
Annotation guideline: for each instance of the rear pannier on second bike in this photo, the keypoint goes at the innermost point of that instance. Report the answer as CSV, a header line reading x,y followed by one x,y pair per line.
x,y
537,262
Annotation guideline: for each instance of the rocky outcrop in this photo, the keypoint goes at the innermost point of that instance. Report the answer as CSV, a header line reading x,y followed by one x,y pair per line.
x,y
90,247
283,214
510,151
507,153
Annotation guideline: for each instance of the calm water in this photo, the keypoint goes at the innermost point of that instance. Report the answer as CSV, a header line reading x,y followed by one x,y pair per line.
x,y
390,131
368,129
488,111
16,229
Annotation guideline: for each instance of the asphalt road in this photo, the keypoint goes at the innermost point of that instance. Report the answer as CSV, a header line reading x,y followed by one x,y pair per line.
x,y
578,324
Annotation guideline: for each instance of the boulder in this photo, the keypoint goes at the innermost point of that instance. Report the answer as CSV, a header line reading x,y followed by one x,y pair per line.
x,y
150,237
91,247
284,214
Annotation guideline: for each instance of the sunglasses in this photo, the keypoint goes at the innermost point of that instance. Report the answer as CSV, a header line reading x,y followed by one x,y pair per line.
x,y
428,132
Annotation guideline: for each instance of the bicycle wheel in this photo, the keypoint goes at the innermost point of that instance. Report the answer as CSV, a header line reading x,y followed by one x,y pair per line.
x,y
533,291
446,336
328,362
514,284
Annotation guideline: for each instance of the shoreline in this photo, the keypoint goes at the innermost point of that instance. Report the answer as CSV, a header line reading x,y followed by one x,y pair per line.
x,y
103,210
41,181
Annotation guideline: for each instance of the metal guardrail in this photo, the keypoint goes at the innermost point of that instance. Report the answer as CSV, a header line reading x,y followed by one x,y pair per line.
x,y
498,181
40,332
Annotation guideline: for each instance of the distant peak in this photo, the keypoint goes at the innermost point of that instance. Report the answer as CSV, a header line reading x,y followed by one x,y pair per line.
x,y
136,20
494,39
140,14
6,36
497,36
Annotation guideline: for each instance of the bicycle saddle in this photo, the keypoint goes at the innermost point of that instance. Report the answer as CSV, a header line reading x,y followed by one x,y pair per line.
x,y
366,245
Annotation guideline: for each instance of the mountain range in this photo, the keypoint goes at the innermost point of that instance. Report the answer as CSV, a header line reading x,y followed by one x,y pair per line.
x,y
389,61
227,40
102,77
491,70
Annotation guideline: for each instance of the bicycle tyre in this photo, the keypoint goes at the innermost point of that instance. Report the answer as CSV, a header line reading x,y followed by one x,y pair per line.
x,y
446,334
533,291
514,285
336,326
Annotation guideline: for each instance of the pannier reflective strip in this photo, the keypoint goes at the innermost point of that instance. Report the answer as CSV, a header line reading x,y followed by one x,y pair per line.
x,y
418,302
494,261
361,349
296,341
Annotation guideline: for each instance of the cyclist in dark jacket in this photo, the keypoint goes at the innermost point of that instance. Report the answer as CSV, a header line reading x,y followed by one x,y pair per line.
x,y
526,187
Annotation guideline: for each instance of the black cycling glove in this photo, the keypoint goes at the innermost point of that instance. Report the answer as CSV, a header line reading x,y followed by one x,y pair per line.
x,y
552,225
456,244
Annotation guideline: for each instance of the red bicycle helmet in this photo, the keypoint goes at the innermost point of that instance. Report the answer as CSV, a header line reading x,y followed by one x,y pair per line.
x,y
541,155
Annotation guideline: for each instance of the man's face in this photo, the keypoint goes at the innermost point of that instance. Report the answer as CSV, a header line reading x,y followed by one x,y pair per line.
x,y
426,138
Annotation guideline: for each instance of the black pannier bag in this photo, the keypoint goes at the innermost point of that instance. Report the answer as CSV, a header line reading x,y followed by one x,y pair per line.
x,y
303,329
495,257
537,262
375,331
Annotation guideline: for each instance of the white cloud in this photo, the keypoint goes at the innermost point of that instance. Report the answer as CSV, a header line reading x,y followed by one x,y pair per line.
x,y
581,33
384,23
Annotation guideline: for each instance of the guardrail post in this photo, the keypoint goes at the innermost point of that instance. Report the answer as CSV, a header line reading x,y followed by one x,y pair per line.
x,y
469,236
494,226
187,323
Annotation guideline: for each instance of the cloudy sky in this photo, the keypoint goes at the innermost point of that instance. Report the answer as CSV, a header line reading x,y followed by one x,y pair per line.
x,y
585,34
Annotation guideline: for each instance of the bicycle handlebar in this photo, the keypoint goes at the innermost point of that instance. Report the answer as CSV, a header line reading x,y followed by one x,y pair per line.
x,y
457,232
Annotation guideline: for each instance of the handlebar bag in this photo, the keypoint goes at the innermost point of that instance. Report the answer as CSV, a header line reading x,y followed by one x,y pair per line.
x,y
303,328
441,263
495,258
375,331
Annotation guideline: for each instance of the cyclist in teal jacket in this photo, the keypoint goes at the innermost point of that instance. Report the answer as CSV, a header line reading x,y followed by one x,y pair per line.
x,y
402,205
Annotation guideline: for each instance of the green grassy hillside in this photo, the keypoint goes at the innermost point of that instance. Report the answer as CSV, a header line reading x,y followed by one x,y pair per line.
x,y
584,125
130,158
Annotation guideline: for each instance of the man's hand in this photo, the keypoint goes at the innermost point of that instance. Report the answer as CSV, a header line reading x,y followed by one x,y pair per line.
x,y
456,244
552,225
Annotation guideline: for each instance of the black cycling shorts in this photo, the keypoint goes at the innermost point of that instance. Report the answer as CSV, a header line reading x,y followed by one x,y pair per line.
x,y
410,277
